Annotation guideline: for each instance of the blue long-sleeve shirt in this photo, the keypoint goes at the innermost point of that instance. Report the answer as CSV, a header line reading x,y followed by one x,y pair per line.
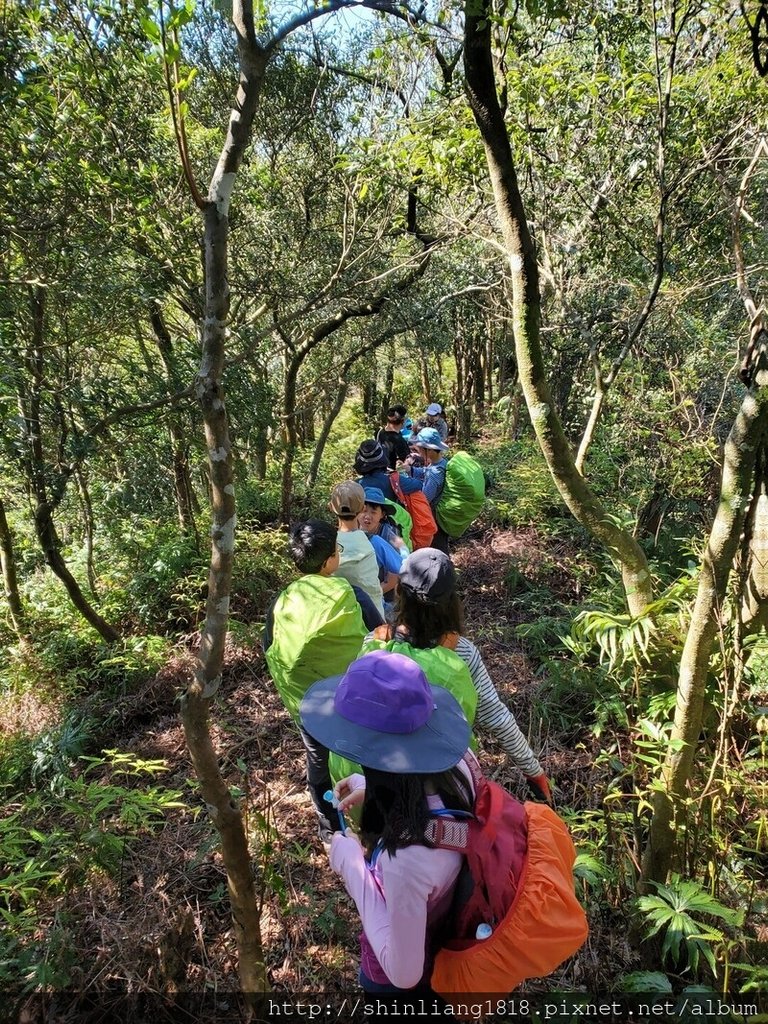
x,y
431,479
380,478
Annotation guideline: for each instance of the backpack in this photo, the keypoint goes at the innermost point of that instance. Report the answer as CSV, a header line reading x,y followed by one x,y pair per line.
x,y
317,631
518,878
441,665
424,526
463,494
404,522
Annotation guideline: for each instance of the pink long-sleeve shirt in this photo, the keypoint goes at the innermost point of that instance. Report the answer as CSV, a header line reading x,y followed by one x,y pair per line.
x,y
418,883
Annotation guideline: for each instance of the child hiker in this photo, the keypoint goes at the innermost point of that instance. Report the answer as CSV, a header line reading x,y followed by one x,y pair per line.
x,y
430,477
410,738
429,626
358,562
371,464
390,437
312,628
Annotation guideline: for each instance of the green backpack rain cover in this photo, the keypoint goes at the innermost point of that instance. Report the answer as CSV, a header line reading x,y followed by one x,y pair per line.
x,y
442,667
463,495
318,627
403,519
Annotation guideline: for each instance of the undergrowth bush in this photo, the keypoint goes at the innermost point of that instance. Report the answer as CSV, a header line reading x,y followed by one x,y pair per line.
x,y
522,492
51,840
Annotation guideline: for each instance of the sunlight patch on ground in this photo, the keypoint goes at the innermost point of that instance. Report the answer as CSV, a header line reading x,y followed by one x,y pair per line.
x,y
27,713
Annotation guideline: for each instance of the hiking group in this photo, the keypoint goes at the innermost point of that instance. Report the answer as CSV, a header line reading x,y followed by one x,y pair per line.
x,y
460,887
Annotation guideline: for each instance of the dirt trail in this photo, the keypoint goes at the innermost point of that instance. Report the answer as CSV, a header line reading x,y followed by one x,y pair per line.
x,y
164,925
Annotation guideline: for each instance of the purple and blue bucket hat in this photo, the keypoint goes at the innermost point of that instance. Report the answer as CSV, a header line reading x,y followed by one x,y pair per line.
x,y
384,714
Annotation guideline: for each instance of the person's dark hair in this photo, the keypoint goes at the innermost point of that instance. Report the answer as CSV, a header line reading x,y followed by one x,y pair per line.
x,y
427,624
395,810
396,414
312,543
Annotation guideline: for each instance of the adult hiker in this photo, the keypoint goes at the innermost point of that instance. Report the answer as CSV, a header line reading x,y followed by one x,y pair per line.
x,y
430,477
428,626
358,562
371,463
410,738
390,437
433,417
313,628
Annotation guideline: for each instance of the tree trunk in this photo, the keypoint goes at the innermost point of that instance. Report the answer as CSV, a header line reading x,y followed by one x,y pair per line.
x,y
458,358
291,435
10,580
483,100
589,431
749,430
260,451
221,805
325,431
31,425
389,382
305,423
479,379
514,416
426,388
488,366
182,483
463,425
369,399
50,543
85,499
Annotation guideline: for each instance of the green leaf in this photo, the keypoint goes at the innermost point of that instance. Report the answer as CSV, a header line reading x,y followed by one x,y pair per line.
x,y
151,30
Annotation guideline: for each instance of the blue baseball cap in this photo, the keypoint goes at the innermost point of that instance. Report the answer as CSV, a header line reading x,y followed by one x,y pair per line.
x,y
375,496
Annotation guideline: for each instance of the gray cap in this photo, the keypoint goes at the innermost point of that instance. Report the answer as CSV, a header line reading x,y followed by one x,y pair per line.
x,y
429,575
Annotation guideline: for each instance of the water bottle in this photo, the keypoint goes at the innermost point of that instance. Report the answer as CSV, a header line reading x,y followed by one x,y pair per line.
x,y
331,799
484,931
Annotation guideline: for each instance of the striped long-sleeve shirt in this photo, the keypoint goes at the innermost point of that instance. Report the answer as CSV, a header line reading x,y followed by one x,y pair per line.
x,y
493,715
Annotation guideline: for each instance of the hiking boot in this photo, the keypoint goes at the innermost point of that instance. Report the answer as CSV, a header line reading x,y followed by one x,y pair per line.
x,y
326,835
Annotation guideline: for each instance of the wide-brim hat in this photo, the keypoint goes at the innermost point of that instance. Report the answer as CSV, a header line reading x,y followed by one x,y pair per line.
x,y
369,457
375,496
384,714
429,438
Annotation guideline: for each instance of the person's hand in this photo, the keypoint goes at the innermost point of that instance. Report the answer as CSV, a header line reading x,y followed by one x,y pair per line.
x,y
539,788
344,846
350,791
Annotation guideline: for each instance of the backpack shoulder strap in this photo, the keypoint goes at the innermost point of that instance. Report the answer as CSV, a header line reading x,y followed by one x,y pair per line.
x,y
449,640
446,832
449,829
394,480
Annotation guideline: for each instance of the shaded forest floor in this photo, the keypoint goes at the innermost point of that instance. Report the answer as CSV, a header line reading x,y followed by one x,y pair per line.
x,y
163,925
